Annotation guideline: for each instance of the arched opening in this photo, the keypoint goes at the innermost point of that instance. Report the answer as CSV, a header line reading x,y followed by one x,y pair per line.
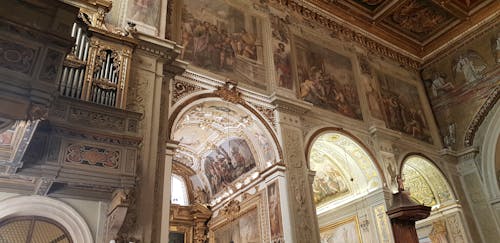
x,y
28,229
45,208
223,149
347,190
428,186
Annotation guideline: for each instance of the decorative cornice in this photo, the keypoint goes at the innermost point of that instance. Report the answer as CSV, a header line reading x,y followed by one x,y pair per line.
x,y
349,35
478,119
161,48
289,105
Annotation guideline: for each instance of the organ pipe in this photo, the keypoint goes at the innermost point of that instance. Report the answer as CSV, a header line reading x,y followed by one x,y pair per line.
x,y
92,72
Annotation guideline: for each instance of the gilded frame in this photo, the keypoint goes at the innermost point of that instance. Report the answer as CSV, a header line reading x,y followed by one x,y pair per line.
x,y
345,221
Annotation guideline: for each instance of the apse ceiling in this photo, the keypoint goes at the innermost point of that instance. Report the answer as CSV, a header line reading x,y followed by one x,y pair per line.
x,y
419,27
223,144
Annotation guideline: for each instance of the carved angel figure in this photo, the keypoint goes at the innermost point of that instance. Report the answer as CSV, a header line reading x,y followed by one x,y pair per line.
x,y
470,64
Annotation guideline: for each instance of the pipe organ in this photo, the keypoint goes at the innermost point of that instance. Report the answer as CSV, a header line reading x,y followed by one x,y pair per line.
x,y
97,68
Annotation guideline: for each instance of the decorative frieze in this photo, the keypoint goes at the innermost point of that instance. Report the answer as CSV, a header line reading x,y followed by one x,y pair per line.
x,y
80,114
110,139
17,57
478,119
92,155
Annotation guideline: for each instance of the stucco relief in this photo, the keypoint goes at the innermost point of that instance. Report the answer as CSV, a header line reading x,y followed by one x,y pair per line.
x,y
383,225
304,228
455,229
292,145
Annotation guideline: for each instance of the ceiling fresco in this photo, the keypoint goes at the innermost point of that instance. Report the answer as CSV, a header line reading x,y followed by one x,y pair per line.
x,y
221,142
417,26
425,182
342,168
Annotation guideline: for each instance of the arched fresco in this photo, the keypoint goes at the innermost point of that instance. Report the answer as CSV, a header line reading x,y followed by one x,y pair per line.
x,y
343,168
425,182
227,162
223,143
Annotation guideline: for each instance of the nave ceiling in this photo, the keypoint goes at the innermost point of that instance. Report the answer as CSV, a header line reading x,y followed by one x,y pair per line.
x,y
419,27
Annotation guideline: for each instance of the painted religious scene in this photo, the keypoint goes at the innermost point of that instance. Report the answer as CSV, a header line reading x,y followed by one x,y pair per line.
x,y
326,79
345,231
328,184
402,107
227,162
273,199
245,229
144,13
224,39
281,53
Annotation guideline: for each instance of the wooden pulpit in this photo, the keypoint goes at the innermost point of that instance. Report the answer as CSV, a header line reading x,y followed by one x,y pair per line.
x,y
403,213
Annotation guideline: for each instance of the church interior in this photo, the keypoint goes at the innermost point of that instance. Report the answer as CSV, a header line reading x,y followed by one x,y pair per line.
x,y
248,121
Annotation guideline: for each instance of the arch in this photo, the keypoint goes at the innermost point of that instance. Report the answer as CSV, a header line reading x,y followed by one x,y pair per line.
x,y
478,119
345,168
426,182
488,146
211,96
316,134
212,130
33,228
49,208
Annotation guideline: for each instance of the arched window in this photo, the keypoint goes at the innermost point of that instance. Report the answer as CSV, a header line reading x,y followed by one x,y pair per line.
x,y
33,229
179,191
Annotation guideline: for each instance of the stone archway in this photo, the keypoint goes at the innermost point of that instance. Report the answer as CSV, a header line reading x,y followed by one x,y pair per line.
x,y
232,154
348,189
49,208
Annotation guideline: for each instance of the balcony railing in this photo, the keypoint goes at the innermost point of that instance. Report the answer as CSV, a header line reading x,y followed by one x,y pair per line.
x,y
97,68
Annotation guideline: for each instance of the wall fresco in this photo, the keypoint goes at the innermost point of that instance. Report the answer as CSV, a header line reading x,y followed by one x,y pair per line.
x,y
281,52
245,229
402,107
227,162
223,39
459,83
326,79
273,199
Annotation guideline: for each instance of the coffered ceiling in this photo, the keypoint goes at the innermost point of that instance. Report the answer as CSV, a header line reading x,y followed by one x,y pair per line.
x,y
419,27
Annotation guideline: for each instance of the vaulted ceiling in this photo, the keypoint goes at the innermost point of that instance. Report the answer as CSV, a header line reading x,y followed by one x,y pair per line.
x,y
419,27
